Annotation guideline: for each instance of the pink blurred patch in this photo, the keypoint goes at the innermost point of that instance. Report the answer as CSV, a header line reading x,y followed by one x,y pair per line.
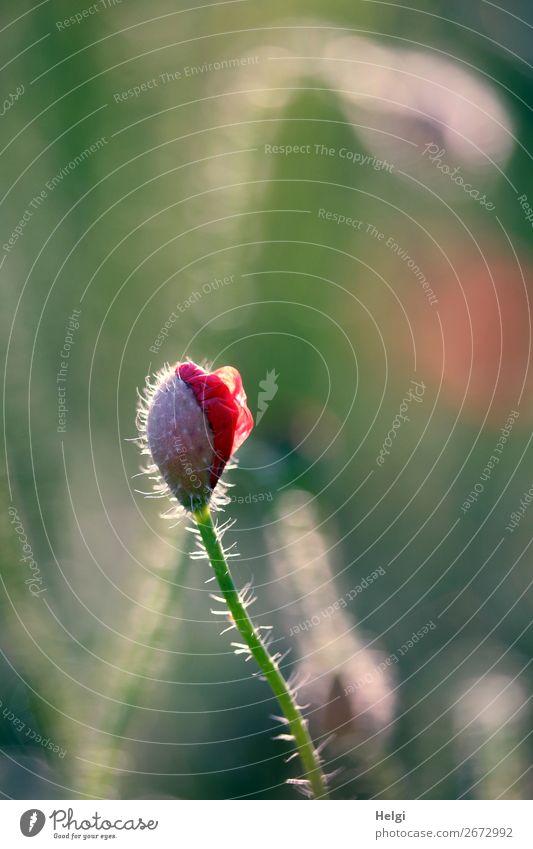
x,y
484,355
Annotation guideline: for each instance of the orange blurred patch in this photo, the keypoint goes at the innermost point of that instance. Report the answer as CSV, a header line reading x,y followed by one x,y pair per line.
x,y
485,351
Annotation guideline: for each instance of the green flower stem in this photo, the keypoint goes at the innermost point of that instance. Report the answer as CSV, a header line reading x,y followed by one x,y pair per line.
x,y
297,724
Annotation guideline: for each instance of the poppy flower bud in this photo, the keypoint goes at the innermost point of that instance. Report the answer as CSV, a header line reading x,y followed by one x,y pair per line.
x,y
191,422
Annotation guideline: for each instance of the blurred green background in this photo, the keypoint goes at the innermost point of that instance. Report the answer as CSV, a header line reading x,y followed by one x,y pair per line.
x,y
181,176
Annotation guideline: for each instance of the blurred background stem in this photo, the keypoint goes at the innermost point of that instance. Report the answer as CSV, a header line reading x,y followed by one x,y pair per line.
x,y
106,781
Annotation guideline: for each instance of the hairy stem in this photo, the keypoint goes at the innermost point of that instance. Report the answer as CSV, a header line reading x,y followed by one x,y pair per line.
x,y
243,623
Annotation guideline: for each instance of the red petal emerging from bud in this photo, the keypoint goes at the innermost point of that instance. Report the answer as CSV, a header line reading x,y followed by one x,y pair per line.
x,y
191,421
221,396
